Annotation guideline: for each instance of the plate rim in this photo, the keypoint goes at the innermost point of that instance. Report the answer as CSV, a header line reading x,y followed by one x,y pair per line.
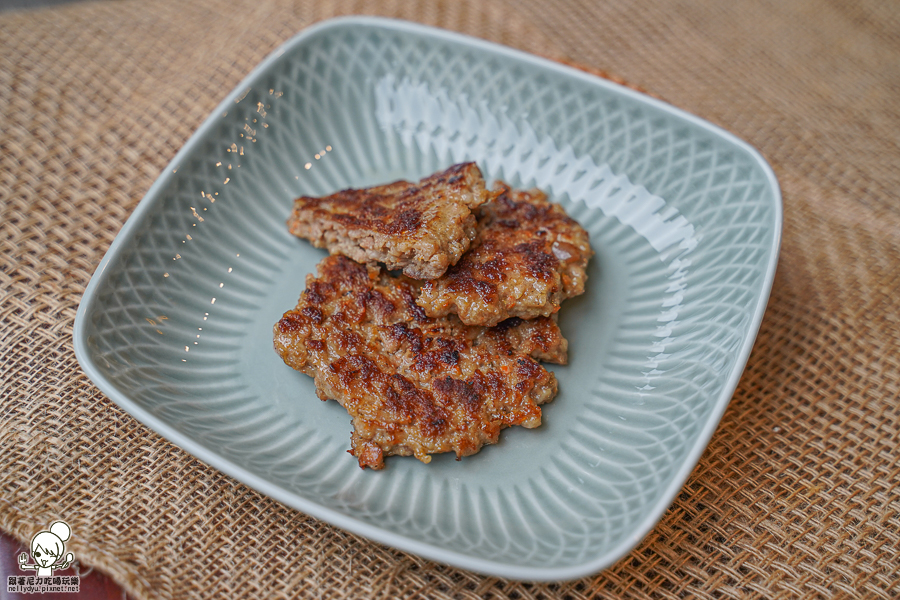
x,y
350,523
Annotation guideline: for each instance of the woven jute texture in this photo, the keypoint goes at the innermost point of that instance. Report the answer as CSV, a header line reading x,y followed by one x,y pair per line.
x,y
797,494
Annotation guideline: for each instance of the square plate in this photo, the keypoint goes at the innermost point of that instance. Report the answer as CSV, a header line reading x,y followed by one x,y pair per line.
x,y
176,324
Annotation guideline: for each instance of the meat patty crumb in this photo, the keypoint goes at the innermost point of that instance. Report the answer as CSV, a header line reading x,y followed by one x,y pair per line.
x,y
528,256
414,385
421,228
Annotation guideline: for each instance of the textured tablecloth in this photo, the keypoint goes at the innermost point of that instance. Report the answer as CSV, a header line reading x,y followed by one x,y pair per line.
x,y
797,494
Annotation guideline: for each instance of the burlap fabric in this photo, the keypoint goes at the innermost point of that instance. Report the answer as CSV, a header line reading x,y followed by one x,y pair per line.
x,y
797,495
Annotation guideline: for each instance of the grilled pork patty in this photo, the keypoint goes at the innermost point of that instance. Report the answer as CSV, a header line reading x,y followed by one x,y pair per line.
x,y
528,257
421,228
414,385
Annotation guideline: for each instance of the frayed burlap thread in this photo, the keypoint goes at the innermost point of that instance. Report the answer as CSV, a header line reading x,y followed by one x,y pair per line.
x,y
797,494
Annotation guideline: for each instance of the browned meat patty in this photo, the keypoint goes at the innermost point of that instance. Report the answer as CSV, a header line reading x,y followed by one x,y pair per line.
x,y
528,257
421,228
414,385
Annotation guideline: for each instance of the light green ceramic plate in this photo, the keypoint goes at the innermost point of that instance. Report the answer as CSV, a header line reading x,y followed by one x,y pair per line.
x,y
176,323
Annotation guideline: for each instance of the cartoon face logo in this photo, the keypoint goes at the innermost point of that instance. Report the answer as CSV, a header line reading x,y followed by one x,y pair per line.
x,y
47,549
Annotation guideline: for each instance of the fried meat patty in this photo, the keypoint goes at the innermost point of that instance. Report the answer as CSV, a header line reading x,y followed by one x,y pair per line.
x,y
528,257
421,228
414,385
